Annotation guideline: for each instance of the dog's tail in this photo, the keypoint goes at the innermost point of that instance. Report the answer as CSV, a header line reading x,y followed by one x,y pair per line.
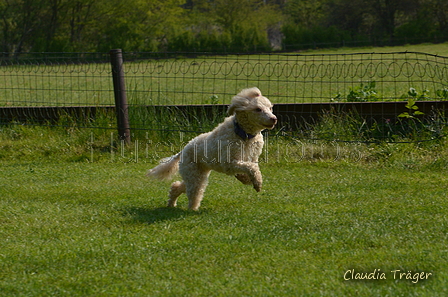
x,y
166,169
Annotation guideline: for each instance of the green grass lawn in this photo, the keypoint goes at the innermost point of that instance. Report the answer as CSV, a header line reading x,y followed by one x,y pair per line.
x,y
101,229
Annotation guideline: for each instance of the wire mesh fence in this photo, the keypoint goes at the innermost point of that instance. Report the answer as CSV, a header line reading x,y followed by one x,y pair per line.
x,y
56,79
154,81
287,78
85,79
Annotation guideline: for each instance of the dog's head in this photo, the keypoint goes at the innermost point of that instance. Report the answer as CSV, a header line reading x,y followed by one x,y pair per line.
x,y
251,108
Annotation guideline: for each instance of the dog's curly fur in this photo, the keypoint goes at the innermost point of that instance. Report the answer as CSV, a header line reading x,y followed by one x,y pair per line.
x,y
233,147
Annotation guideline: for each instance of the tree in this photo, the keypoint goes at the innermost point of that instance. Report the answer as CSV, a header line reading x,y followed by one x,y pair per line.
x,y
140,25
306,13
211,25
219,25
21,21
346,15
439,12
386,11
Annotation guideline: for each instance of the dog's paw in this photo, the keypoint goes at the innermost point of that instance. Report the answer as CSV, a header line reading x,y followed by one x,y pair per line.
x,y
257,185
257,181
171,204
244,178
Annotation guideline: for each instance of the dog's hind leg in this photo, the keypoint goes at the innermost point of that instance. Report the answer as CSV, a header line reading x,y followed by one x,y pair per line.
x,y
195,188
177,188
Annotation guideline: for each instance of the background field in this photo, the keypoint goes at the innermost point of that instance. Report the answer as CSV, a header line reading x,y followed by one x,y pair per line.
x,y
435,49
151,78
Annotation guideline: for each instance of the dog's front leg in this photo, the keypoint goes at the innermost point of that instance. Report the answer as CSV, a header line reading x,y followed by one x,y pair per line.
x,y
243,178
250,171
257,180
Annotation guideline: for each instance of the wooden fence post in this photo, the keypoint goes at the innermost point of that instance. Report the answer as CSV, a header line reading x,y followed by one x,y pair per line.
x,y
121,104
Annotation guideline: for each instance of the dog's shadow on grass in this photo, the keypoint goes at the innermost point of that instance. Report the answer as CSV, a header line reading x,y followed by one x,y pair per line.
x,y
154,215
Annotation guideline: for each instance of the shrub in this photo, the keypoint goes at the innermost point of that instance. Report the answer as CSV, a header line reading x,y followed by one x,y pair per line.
x,y
363,93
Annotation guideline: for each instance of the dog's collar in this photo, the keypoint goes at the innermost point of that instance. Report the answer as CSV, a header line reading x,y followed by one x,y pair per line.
x,y
241,133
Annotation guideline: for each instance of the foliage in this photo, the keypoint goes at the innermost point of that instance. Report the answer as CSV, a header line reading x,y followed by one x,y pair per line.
x,y
412,110
367,93
442,93
300,37
306,13
362,93
226,26
217,25
415,95
367,22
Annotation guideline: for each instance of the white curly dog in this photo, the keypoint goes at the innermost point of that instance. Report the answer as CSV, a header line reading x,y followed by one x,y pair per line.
x,y
233,148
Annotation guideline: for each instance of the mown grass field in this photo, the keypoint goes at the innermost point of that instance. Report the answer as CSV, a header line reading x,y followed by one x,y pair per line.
x,y
101,229
312,76
79,218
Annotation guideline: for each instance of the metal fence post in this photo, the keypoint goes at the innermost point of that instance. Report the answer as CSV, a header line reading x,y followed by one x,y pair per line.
x,y
121,104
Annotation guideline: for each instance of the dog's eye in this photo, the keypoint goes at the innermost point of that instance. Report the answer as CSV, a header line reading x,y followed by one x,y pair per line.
x,y
258,109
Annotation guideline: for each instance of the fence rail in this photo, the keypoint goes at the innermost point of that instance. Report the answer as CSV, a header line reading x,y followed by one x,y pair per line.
x,y
43,86
291,115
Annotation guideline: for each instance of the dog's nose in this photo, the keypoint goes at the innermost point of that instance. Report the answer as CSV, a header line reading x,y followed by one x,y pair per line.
x,y
274,120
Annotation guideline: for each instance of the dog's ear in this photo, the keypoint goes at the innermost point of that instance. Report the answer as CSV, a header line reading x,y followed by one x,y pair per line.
x,y
250,93
238,104
241,101
231,109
